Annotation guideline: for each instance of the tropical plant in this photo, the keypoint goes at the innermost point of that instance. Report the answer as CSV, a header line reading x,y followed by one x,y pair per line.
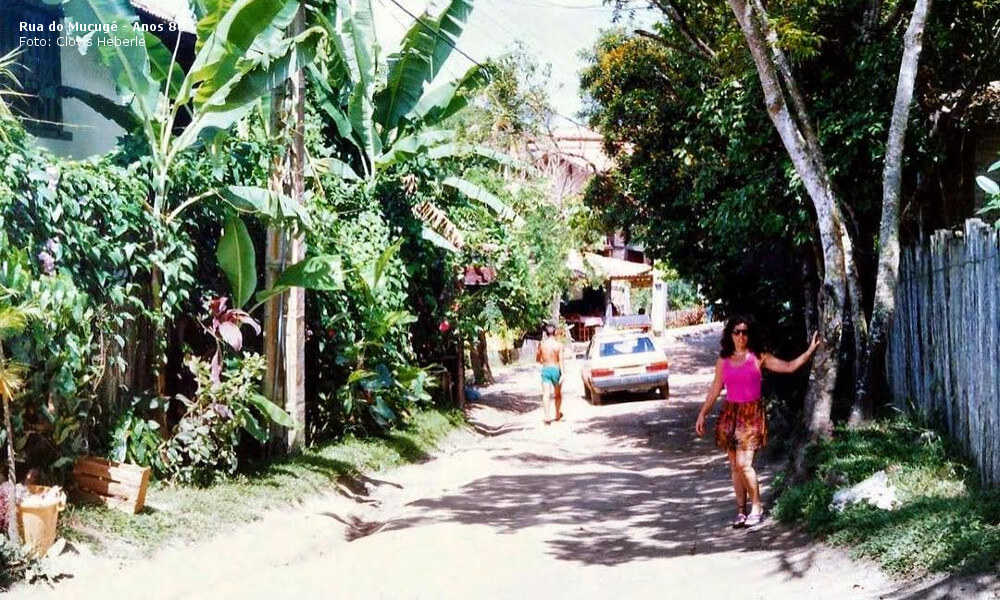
x,y
387,115
8,81
225,327
992,190
203,444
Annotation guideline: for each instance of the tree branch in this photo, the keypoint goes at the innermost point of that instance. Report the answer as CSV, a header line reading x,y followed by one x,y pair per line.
x,y
891,22
675,14
873,15
664,41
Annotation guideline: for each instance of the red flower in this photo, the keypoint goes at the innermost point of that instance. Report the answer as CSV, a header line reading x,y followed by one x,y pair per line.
x,y
445,326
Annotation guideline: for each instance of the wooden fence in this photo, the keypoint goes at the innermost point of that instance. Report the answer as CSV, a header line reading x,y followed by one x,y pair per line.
x,y
944,347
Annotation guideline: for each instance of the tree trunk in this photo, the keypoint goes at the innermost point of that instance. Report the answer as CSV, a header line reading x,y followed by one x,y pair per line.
x,y
884,309
832,301
12,531
160,332
284,248
479,354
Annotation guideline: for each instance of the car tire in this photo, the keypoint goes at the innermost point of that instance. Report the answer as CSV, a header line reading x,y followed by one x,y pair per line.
x,y
664,391
586,391
595,397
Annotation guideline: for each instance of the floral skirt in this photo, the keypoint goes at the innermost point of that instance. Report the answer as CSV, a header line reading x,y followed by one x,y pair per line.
x,y
741,426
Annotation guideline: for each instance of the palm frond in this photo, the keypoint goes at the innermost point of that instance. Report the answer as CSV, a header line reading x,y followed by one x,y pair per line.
x,y
13,319
11,379
438,222
8,82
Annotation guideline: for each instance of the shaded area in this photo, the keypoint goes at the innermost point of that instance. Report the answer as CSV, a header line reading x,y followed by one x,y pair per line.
x,y
635,484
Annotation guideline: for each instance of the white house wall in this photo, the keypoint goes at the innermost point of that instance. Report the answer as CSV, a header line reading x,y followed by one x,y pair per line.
x,y
92,133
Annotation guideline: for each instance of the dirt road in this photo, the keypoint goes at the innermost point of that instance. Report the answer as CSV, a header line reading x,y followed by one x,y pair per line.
x,y
620,500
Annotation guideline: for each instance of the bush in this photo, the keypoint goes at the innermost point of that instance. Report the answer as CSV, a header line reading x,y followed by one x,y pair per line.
x,y
203,445
77,242
361,343
947,522
15,563
136,436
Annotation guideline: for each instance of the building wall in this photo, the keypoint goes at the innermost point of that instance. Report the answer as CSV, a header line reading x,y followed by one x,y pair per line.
x,y
92,133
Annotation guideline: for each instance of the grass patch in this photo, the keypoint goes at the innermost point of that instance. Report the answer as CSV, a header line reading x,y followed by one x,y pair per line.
x,y
947,522
185,514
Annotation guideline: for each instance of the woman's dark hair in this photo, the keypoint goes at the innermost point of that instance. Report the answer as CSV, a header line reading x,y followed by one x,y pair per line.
x,y
755,341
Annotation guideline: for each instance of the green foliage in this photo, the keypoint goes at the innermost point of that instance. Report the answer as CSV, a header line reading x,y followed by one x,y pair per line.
x,y
53,415
237,260
76,246
15,562
136,436
529,261
370,381
699,173
702,179
946,522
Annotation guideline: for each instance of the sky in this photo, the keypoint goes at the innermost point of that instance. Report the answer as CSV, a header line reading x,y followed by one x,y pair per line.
x,y
553,31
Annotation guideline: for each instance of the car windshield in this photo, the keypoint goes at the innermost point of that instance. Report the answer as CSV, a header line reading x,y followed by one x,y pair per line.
x,y
631,346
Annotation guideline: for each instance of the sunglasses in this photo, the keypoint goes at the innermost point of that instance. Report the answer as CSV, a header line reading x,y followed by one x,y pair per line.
x,y
740,332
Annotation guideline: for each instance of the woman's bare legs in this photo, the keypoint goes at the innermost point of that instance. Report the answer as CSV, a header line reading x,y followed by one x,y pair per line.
x,y
744,465
739,485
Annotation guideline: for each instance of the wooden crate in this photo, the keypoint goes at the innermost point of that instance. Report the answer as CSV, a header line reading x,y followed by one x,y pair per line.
x,y
122,486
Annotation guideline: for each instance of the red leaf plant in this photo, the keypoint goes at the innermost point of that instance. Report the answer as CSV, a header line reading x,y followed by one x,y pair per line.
x,y
226,327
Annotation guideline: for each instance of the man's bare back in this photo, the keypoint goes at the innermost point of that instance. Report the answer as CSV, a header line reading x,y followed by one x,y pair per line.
x,y
550,352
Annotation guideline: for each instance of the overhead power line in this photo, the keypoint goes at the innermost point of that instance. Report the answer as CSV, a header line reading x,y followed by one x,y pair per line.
x,y
437,34
455,47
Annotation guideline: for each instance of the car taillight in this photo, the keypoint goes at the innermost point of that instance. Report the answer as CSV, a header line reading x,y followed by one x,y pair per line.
x,y
662,366
602,372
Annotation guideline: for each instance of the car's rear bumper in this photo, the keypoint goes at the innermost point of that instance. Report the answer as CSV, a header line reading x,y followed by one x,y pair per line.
x,y
622,383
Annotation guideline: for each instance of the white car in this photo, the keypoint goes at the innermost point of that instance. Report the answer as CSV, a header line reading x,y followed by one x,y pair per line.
x,y
619,361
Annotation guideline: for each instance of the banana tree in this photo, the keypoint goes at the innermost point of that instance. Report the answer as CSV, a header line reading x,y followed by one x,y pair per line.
x,y
392,113
243,52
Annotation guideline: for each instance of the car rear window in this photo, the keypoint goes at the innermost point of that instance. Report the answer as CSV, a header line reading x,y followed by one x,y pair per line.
x,y
633,346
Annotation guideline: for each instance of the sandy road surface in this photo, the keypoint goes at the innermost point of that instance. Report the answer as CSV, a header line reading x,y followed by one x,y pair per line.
x,y
620,500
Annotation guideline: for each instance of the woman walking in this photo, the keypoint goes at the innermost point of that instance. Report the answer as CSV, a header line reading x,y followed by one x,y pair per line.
x,y
741,429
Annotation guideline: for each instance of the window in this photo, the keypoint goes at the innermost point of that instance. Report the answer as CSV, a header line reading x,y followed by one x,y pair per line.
x,y
39,71
633,346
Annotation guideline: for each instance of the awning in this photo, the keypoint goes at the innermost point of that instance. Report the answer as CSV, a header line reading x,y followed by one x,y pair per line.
x,y
608,268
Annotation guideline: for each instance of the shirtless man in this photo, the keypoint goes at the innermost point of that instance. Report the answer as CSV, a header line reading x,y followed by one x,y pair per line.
x,y
550,354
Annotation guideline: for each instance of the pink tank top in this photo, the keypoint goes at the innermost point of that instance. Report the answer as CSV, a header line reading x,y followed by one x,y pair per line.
x,y
742,382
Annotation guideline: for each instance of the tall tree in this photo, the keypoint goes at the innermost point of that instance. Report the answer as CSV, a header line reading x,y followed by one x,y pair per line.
x,y
826,72
873,361
798,136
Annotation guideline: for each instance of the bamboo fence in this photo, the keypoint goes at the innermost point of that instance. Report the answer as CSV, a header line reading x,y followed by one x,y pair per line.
x,y
944,347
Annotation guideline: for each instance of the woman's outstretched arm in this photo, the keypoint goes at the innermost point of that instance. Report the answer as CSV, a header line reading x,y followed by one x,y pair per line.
x,y
710,398
773,363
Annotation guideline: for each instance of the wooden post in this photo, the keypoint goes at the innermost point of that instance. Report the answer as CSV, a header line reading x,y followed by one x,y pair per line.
x,y
288,325
295,326
460,376
273,388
